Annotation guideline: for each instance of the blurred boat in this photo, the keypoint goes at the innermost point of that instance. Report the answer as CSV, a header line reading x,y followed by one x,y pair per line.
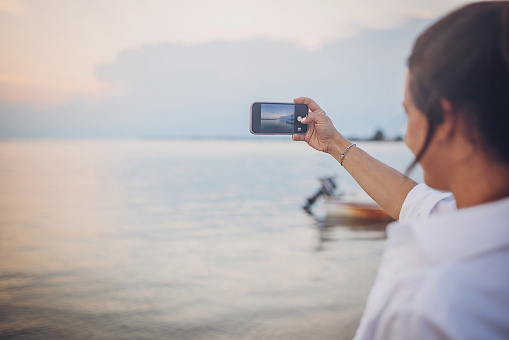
x,y
344,207
357,208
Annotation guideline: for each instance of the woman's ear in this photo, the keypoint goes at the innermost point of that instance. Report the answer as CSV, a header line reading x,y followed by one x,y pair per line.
x,y
449,127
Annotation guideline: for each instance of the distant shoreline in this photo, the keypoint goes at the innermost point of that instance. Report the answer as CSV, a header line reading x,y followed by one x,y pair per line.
x,y
184,138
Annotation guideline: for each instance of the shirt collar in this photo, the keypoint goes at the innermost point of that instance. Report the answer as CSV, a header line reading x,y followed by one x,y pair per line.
x,y
463,233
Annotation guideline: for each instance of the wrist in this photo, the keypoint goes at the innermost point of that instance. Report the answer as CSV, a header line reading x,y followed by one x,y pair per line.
x,y
338,145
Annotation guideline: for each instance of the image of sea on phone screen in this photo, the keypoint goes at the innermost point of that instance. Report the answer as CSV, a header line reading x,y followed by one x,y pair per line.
x,y
277,118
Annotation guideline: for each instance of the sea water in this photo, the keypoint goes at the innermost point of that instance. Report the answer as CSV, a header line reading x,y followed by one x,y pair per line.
x,y
178,239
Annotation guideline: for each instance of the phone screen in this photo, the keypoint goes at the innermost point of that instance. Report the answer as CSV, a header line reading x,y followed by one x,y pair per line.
x,y
278,118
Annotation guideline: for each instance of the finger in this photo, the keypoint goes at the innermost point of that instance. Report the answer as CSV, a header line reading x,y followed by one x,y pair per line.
x,y
312,105
311,117
298,138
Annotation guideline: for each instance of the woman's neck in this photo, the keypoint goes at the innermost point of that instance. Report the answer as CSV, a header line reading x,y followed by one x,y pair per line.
x,y
479,182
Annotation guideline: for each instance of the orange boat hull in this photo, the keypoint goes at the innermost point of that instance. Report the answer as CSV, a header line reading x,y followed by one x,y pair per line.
x,y
337,207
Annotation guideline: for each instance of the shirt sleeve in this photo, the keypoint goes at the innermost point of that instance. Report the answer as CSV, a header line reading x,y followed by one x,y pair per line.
x,y
423,201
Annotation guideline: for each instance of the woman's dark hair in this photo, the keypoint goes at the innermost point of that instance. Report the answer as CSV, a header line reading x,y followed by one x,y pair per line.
x,y
464,58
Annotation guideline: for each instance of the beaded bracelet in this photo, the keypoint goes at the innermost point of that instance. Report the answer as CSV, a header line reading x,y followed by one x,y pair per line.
x,y
344,153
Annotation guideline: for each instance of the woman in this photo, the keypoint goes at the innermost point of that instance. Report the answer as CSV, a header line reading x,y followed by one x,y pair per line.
x,y
445,270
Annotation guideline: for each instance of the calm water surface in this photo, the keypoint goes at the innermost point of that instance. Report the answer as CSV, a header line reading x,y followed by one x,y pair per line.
x,y
177,240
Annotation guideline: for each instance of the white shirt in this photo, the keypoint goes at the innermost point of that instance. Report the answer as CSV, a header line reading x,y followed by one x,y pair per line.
x,y
444,273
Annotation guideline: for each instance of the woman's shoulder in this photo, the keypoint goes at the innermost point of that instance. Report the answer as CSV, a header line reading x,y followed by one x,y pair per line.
x,y
423,201
468,299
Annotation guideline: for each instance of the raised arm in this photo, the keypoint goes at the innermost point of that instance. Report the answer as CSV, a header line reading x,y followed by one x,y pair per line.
x,y
387,186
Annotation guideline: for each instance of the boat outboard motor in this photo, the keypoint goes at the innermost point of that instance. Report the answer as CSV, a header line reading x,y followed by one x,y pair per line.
x,y
327,189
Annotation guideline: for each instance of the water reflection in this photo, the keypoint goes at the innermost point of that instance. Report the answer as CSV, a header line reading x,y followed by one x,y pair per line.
x,y
173,239
362,230
353,223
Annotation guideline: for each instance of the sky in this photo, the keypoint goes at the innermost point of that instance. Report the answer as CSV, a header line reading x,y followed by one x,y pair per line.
x,y
163,68
269,111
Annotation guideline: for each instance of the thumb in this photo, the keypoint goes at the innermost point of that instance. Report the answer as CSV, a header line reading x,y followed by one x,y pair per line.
x,y
299,138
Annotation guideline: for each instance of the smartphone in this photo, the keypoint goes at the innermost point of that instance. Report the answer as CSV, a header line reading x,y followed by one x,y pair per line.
x,y
278,118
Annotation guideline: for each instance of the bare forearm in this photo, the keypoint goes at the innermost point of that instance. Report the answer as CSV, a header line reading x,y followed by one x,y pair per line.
x,y
387,186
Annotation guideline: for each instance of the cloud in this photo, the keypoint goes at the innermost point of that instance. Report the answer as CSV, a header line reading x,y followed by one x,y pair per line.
x,y
56,44
13,6
205,90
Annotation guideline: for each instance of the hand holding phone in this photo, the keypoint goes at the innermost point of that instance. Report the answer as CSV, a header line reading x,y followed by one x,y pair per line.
x,y
278,118
322,136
